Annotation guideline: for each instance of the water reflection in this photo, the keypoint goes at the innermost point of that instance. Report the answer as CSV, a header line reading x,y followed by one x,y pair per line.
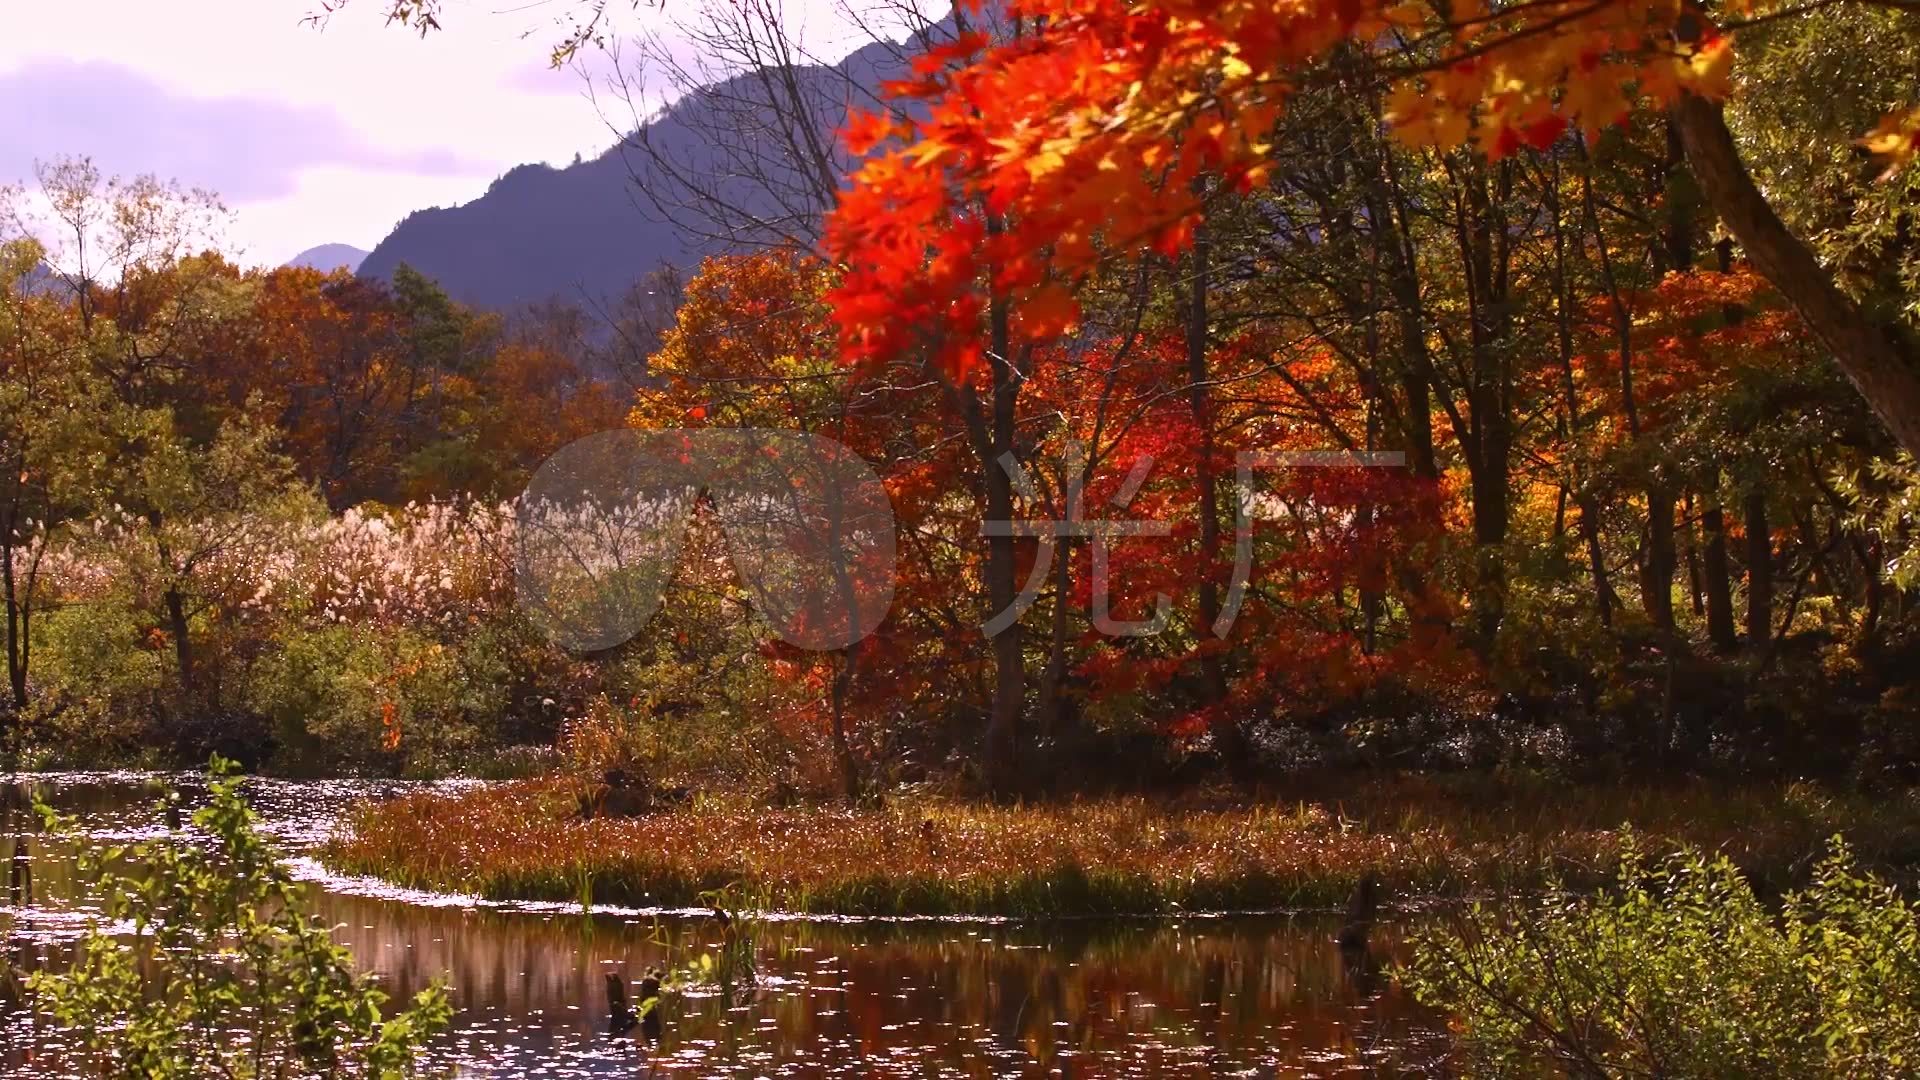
x,y
1254,996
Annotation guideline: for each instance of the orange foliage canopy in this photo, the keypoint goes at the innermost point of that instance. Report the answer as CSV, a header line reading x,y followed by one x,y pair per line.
x,y
1083,135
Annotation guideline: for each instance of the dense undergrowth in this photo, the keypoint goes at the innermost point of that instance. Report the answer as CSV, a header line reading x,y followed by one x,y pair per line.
x,y
1682,971
1419,838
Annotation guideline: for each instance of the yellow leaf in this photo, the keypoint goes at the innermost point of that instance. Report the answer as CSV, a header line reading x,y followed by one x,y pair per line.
x,y
1710,69
1897,139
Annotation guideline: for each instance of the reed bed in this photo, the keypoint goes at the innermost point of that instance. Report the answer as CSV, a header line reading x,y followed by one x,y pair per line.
x,y
1420,838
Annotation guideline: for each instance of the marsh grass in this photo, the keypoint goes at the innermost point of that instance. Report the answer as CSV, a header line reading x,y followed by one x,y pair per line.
x,y
1420,837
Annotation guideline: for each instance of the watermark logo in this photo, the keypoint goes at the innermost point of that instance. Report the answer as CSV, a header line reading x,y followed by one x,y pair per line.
x,y
1072,524
809,530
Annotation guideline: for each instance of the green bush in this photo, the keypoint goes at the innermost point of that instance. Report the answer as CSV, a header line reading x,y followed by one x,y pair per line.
x,y
371,698
318,690
224,975
1683,972
101,675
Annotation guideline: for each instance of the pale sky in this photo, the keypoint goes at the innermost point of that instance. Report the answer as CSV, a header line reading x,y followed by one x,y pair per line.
x,y
311,136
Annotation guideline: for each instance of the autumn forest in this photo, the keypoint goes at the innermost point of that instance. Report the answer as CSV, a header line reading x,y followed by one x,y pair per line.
x,y
1340,455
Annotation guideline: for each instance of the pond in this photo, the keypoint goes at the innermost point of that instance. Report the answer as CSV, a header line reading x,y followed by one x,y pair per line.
x,y
1267,995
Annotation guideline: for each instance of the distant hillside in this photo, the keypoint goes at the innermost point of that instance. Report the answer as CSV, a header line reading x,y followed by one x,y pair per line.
x,y
40,280
587,232
538,233
329,257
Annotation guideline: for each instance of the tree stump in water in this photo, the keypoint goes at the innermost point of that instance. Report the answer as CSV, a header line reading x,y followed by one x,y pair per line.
x,y
620,1017
1361,909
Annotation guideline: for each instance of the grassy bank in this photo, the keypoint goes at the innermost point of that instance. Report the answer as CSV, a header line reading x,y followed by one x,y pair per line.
x,y
1422,838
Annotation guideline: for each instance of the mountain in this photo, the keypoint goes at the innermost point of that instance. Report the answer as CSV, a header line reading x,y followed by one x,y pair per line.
x,y
587,232
40,280
538,233
329,257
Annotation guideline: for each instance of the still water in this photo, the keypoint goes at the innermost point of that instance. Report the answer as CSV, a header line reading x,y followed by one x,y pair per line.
x,y
1263,995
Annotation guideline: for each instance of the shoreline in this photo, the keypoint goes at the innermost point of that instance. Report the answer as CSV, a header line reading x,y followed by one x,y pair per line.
x,y
311,870
1112,858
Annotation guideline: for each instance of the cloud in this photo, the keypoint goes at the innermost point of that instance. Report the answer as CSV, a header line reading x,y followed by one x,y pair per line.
x,y
244,148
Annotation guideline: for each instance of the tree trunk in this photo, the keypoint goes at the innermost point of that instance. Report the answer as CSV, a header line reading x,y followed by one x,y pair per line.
x,y
1603,597
1719,581
1490,519
1224,727
17,672
1053,683
849,655
16,637
1875,361
1661,560
1657,567
1876,594
1695,585
842,749
1759,572
177,626
1009,685
1391,213
1003,587
1656,555
1395,245
1720,630
1486,250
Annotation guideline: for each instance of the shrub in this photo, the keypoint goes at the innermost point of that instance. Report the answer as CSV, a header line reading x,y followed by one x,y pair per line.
x,y
373,697
101,672
224,974
1683,972
319,690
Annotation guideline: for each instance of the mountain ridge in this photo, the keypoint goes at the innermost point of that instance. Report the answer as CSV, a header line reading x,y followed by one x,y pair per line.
x,y
586,233
327,258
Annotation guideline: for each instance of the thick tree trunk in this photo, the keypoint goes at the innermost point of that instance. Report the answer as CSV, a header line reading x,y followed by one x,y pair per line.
x,y
1490,520
1876,361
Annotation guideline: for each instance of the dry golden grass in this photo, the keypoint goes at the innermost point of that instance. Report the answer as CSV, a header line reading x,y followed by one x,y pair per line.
x,y
1113,856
